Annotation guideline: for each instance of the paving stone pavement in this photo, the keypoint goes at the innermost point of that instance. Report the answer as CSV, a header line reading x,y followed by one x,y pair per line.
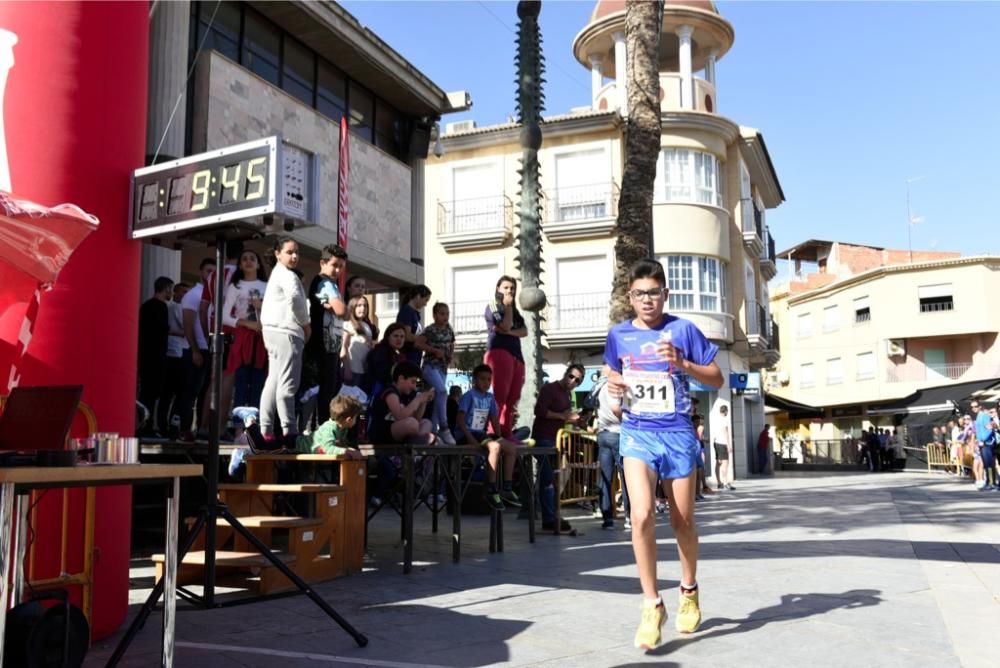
x,y
809,569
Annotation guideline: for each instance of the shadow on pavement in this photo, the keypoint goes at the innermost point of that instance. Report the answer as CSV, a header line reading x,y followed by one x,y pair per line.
x,y
792,606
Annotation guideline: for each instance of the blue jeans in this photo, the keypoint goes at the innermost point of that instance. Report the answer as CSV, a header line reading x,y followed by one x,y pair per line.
x,y
546,488
439,414
248,386
610,461
987,452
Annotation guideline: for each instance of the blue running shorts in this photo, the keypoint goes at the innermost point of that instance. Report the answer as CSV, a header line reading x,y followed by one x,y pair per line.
x,y
671,454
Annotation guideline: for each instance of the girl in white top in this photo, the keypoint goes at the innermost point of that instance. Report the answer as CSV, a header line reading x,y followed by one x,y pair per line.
x,y
284,318
241,311
357,341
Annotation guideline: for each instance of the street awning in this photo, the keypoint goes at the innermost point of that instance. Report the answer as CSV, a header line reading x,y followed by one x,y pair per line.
x,y
938,398
793,408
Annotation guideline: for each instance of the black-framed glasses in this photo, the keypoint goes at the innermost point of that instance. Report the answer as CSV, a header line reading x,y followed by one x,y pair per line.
x,y
642,295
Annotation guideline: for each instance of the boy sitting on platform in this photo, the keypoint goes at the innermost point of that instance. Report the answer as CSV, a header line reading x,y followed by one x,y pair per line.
x,y
398,411
330,438
477,409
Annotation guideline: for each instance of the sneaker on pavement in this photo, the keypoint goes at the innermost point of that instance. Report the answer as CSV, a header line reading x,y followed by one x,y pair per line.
x,y
608,524
660,508
494,501
698,496
628,523
688,613
510,497
647,636
730,488
445,436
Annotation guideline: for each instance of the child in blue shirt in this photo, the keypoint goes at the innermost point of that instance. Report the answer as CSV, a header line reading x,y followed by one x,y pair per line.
x,y
651,358
477,410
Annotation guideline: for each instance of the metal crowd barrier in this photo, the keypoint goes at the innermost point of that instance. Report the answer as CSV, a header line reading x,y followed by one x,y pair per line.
x,y
578,463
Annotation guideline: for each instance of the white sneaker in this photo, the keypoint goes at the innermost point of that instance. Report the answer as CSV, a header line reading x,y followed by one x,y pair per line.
x,y
446,437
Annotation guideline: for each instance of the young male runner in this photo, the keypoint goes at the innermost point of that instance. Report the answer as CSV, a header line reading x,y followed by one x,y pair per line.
x,y
651,359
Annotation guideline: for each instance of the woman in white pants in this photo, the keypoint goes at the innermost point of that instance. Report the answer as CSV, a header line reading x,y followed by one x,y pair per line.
x,y
284,317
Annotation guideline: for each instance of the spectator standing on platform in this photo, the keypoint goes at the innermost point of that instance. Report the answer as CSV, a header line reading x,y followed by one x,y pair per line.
x,y
327,310
477,411
722,446
553,410
409,317
358,342
505,328
357,287
247,359
196,358
284,319
176,343
609,423
652,359
439,339
154,330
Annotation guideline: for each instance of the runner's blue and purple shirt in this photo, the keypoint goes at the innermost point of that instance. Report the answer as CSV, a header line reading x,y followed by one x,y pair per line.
x,y
659,396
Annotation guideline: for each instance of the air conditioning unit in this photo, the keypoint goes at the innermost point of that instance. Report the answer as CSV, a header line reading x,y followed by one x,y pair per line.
x,y
460,126
895,347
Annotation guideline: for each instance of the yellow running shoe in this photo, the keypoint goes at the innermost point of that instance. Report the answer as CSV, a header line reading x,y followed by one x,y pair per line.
x,y
688,613
648,634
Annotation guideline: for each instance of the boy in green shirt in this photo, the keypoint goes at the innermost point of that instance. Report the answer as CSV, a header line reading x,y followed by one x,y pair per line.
x,y
330,438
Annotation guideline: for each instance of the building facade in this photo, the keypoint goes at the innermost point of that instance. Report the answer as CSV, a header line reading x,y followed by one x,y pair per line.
x,y
869,327
714,183
295,69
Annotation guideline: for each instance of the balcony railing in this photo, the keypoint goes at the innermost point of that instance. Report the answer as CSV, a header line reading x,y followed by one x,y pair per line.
x,y
476,215
581,203
583,311
775,339
758,320
768,252
905,374
469,318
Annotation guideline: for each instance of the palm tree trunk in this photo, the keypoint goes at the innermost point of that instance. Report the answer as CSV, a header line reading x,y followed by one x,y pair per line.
x,y
642,147
530,102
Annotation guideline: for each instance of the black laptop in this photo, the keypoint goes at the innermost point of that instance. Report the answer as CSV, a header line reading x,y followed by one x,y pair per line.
x,y
36,419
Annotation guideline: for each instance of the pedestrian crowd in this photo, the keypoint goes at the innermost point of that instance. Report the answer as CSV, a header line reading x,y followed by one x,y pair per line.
x,y
972,441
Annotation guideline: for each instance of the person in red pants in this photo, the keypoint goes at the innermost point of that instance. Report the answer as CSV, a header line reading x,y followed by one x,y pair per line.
x,y
503,351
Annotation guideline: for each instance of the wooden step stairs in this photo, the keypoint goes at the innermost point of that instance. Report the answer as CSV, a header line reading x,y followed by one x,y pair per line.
x,y
326,545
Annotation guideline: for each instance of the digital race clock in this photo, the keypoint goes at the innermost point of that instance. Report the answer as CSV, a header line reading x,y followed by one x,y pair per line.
x,y
248,187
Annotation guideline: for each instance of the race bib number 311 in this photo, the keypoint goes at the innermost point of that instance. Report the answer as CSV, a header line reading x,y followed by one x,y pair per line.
x,y
650,392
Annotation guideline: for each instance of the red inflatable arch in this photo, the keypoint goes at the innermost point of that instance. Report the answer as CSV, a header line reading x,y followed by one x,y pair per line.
x,y
74,118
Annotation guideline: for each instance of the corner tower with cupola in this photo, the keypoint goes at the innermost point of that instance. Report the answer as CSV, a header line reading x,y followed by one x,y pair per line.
x,y
714,183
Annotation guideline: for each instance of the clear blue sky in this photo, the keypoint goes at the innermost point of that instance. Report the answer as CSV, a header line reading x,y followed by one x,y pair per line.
x,y
853,98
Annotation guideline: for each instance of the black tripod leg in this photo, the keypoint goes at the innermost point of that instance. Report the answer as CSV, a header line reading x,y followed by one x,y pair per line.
x,y
288,573
154,596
